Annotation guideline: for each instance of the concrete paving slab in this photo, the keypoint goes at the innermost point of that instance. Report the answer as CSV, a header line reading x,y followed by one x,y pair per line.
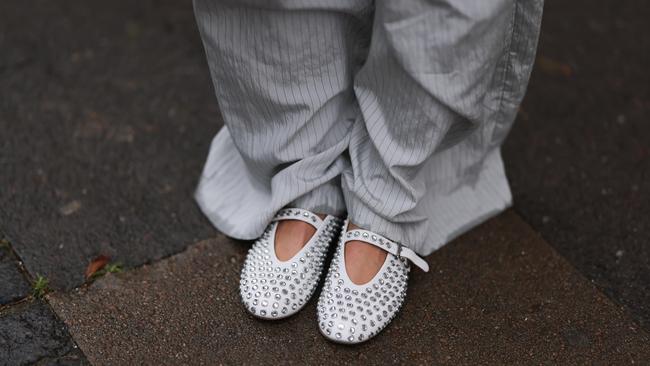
x,y
13,284
30,334
497,295
106,115
578,157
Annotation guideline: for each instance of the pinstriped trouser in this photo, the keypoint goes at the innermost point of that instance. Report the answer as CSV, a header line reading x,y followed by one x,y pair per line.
x,y
391,110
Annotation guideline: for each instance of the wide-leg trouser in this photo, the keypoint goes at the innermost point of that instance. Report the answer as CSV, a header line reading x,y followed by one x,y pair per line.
x,y
391,110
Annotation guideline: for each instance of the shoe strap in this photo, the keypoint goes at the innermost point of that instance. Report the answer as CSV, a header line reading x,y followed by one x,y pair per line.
x,y
390,246
299,214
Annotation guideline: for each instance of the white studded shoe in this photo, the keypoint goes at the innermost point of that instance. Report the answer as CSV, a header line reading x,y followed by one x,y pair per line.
x,y
350,313
274,289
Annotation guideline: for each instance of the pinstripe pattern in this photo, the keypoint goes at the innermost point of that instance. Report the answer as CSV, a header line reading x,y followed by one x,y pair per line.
x,y
394,110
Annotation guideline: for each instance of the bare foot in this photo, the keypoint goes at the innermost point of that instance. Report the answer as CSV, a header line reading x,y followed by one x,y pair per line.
x,y
362,260
291,236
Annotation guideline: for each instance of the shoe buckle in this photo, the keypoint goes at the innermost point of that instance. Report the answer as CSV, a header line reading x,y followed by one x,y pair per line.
x,y
399,250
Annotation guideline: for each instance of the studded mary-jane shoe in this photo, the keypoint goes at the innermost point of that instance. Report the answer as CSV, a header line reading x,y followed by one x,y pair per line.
x,y
350,313
275,289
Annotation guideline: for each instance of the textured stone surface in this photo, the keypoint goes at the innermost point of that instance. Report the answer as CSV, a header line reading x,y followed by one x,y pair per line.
x,y
497,295
106,114
31,333
579,156
13,284
72,358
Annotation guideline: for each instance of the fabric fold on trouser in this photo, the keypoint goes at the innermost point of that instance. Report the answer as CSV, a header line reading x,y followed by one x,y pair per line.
x,y
393,110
